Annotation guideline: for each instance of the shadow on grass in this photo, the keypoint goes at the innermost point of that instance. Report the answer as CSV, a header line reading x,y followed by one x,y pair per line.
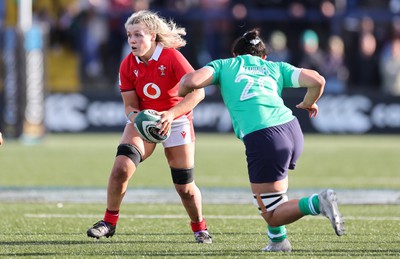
x,y
173,245
249,253
347,253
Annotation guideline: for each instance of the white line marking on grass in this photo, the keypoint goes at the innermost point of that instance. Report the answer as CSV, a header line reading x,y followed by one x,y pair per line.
x,y
162,196
140,216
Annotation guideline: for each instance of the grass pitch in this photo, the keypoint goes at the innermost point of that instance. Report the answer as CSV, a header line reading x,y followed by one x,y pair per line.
x,y
355,162
162,231
54,230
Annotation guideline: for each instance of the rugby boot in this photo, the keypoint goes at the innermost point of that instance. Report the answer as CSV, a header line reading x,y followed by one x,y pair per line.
x,y
100,229
203,237
282,246
329,208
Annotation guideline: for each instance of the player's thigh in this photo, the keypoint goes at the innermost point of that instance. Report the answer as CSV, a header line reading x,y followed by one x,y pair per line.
x,y
268,154
180,156
272,187
131,136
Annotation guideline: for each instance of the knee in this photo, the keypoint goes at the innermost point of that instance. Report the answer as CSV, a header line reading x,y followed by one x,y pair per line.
x,y
184,183
267,203
182,176
185,191
131,152
121,172
123,168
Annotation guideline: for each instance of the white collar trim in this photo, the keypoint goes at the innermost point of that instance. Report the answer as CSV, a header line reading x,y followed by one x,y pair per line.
x,y
156,55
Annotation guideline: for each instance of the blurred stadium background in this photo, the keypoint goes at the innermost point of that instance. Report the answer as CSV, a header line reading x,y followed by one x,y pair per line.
x,y
60,59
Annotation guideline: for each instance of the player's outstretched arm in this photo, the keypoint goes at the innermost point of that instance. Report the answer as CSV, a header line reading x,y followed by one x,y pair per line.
x,y
187,104
195,80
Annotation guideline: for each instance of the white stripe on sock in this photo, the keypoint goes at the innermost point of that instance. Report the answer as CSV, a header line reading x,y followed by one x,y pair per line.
x,y
311,205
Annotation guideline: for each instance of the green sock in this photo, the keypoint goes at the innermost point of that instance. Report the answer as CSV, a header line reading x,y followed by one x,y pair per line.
x,y
277,234
309,205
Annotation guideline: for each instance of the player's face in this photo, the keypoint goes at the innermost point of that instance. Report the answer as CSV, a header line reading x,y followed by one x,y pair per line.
x,y
142,43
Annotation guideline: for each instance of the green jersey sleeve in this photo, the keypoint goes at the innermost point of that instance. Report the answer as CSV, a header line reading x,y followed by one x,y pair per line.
x,y
215,66
290,74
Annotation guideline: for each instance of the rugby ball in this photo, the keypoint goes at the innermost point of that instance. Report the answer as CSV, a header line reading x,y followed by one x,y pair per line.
x,y
145,122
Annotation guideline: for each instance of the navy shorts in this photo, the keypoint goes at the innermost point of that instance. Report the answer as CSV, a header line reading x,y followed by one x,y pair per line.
x,y
272,151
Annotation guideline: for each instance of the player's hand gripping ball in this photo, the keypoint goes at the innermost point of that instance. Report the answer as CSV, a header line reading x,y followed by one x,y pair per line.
x,y
145,123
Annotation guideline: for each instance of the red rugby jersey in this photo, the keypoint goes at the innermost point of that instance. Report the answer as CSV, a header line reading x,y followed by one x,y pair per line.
x,y
157,83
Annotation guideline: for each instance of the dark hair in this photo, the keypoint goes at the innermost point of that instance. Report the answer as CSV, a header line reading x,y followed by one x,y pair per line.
x,y
250,43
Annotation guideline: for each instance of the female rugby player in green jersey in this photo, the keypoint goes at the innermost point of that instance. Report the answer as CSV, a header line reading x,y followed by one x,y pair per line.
x,y
251,89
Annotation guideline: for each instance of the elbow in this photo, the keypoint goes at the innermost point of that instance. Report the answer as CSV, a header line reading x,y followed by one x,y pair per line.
x,y
181,92
311,79
321,82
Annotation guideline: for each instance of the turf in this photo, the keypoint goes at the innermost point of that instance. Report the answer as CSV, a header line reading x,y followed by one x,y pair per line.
x,y
37,230
162,231
71,160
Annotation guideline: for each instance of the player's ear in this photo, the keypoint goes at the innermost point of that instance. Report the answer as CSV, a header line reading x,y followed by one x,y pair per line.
x,y
153,36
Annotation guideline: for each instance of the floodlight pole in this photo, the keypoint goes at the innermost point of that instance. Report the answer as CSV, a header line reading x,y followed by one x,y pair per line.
x,y
25,15
33,74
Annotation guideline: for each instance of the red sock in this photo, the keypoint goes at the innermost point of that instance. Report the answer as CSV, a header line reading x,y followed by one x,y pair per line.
x,y
199,226
111,217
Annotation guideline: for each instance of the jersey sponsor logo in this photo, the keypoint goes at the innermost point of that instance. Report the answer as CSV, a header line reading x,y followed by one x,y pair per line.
x,y
162,69
136,72
152,91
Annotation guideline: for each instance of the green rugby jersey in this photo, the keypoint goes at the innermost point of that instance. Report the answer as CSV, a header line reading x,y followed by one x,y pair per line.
x,y
251,88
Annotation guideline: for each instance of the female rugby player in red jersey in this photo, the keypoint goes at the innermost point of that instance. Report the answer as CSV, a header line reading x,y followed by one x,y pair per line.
x,y
149,79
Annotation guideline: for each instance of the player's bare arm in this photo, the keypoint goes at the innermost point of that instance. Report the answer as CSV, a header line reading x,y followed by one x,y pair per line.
x,y
195,80
131,104
315,84
187,104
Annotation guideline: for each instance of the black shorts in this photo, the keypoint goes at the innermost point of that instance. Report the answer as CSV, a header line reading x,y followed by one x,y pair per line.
x,y
270,152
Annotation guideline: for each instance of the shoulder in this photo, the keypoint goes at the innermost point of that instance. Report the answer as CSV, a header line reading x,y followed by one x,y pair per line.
x,y
176,59
283,64
128,61
279,65
223,62
168,52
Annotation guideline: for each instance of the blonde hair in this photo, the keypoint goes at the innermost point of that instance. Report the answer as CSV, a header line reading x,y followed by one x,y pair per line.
x,y
168,33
